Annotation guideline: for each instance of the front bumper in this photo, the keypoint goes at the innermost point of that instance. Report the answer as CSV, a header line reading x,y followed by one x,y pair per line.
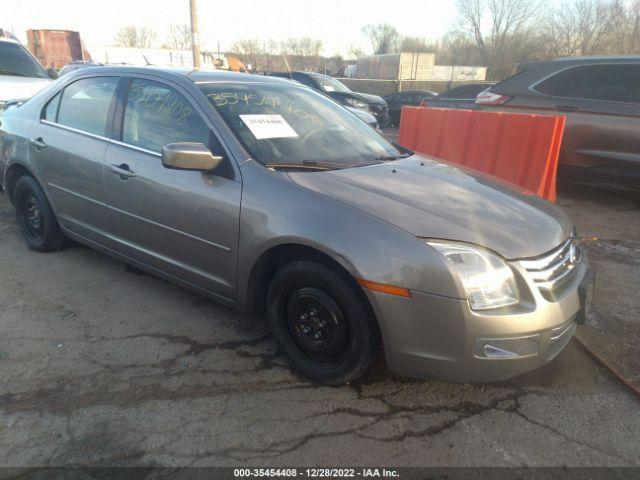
x,y
430,336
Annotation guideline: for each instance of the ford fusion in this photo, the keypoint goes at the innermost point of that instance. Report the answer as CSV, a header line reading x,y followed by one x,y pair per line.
x,y
270,198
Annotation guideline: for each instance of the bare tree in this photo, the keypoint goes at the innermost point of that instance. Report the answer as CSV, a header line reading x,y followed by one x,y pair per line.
x,y
503,31
579,28
249,49
303,46
131,36
416,44
384,38
355,51
180,37
625,37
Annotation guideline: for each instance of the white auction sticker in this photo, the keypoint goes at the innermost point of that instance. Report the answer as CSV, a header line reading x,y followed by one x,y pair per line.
x,y
268,126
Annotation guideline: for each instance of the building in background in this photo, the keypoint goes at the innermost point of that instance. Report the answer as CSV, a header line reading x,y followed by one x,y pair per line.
x,y
415,66
163,57
56,48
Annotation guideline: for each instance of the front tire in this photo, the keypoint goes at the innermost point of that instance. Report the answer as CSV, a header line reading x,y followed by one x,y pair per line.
x,y
35,217
322,323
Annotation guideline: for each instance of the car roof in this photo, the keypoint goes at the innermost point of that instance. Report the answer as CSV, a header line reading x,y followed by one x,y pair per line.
x,y
196,76
10,40
580,60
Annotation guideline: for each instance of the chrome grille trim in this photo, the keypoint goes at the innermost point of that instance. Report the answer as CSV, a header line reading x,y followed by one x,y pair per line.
x,y
550,270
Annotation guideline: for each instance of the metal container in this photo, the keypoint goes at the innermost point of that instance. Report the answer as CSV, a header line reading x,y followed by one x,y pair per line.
x,y
56,48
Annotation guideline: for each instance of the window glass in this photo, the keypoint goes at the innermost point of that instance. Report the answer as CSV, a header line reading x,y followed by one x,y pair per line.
x,y
619,83
464,91
85,104
286,124
156,115
51,109
16,60
304,79
329,84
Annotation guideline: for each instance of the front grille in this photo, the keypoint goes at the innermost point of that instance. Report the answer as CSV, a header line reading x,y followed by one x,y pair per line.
x,y
553,269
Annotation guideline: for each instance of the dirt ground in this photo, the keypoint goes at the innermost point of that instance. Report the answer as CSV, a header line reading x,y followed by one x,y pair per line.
x,y
100,365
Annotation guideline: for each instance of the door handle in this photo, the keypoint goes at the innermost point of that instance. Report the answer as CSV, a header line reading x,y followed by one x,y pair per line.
x,y
38,143
123,171
566,108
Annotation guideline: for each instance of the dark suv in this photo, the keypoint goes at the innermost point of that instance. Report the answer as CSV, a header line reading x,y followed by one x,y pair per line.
x,y
600,97
341,93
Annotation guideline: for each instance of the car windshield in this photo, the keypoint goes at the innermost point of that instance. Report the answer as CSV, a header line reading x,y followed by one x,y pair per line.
x,y
15,60
296,127
328,84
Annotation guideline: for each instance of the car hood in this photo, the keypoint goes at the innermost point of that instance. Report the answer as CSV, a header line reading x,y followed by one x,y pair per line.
x,y
433,199
365,97
19,88
362,115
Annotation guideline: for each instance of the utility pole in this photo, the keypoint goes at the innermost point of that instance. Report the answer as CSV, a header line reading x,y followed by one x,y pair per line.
x,y
195,37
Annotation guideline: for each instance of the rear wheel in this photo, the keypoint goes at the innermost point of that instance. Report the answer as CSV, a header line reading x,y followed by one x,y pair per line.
x,y
35,217
322,323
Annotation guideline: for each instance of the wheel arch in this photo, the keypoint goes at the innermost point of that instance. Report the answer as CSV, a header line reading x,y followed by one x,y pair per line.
x,y
13,174
276,256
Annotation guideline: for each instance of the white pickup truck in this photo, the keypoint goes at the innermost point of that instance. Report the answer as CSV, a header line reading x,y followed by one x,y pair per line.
x,y
21,75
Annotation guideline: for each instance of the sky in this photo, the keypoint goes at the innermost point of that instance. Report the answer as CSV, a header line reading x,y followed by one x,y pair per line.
x,y
337,23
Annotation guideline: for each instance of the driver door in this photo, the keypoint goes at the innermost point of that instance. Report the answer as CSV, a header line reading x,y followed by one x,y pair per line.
x,y
182,223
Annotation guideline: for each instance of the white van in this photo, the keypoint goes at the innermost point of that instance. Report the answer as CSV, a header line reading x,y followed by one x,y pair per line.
x,y
21,75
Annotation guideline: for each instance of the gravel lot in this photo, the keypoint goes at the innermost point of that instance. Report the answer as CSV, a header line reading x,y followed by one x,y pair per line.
x,y
101,365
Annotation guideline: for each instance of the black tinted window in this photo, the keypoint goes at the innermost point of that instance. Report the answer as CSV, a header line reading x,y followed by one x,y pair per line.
x,y
51,109
619,83
156,115
15,60
85,104
464,91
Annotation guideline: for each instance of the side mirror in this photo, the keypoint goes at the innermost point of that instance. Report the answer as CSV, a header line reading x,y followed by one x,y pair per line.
x,y
189,156
53,73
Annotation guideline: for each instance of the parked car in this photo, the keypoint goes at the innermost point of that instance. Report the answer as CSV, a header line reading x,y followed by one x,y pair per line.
x,y
341,93
600,98
366,117
21,75
463,96
75,65
272,199
396,101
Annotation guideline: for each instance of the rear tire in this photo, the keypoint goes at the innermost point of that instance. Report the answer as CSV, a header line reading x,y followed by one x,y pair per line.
x,y
322,323
35,217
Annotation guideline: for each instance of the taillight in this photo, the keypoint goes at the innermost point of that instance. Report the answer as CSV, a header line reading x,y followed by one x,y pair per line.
x,y
489,98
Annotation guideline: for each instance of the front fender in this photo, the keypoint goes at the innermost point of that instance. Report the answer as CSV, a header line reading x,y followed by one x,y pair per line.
x,y
277,211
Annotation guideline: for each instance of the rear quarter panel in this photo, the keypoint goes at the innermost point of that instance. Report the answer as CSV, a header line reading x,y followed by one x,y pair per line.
x,y
14,140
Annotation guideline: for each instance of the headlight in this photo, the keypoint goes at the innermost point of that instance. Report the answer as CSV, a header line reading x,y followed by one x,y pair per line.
x,y
487,279
354,102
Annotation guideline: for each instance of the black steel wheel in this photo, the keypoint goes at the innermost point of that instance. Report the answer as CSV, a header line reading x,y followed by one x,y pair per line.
x,y
35,217
316,324
322,322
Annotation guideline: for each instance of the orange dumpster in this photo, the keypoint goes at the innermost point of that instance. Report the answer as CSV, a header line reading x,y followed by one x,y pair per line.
x,y
520,148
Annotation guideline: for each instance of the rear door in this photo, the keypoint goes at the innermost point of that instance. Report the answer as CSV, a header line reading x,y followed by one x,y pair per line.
x,y
67,148
182,223
602,105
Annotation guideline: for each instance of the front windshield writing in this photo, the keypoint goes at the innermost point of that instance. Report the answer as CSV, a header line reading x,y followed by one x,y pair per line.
x,y
290,125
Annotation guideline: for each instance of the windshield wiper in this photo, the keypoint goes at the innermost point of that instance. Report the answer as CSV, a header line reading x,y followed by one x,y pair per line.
x,y
302,166
389,158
